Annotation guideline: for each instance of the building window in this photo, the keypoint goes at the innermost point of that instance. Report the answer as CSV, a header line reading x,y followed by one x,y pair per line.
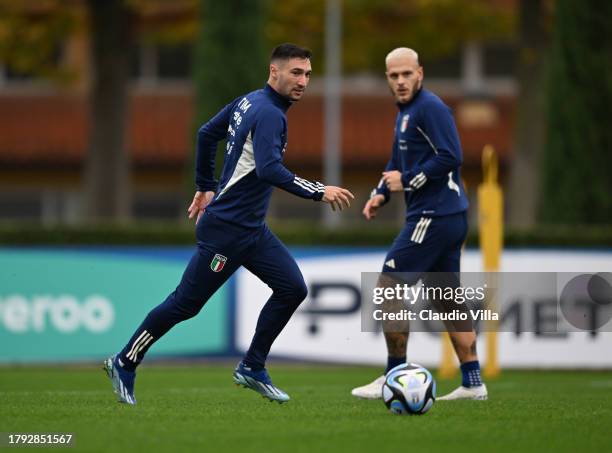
x,y
447,67
154,62
500,59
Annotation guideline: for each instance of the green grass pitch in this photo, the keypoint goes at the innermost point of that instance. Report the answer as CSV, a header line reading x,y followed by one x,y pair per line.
x,y
198,408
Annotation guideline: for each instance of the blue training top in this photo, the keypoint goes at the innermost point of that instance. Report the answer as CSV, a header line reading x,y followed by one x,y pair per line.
x,y
255,126
427,151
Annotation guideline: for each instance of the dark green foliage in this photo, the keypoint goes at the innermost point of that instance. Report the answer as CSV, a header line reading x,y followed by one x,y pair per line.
x,y
230,58
307,234
577,183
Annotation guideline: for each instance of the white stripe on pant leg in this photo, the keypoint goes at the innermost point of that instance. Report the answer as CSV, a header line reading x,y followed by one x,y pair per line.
x,y
417,228
423,231
132,354
141,347
144,332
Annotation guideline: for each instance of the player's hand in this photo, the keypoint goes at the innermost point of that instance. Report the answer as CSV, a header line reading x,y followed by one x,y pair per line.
x,y
372,205
337,197
199,203
393,180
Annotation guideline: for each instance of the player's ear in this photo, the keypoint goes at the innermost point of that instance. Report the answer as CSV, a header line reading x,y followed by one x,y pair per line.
x,y
273,71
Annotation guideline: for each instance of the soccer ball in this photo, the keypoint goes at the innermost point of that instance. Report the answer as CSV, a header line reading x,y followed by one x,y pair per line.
x,y
409,389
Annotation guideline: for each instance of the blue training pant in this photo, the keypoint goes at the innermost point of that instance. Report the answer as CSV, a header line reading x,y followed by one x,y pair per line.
x,y
222,248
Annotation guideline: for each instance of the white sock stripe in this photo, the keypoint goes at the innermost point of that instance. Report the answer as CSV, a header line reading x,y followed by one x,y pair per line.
x,y
417,229
135,348
141,347
423,231
144,332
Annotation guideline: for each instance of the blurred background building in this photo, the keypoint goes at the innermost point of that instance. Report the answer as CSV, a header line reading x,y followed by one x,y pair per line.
x,y
99,101
45,102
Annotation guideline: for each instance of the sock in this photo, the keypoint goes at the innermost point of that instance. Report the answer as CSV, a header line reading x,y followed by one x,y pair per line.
x,y
470,374
252,366
126,365
392,362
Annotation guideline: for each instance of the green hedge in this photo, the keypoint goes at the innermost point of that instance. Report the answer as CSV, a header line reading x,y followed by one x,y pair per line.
x,y
290,233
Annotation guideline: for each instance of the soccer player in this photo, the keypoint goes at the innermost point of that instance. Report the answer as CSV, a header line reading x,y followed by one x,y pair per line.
x,y
424,166
230,227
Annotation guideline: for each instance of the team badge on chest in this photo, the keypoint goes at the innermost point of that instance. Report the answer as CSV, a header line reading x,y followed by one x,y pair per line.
x,y
404,125
218,262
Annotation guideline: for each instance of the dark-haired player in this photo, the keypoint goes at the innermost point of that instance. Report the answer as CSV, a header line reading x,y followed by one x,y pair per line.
x,y
230,229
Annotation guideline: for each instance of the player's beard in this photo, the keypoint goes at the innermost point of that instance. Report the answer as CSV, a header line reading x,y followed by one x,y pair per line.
x,y
416,87
290,95
287,91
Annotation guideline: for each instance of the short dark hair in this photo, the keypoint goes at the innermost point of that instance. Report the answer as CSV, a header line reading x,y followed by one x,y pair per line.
x,y
286,51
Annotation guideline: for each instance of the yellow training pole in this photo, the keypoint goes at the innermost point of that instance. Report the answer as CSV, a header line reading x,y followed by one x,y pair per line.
x,y
490,224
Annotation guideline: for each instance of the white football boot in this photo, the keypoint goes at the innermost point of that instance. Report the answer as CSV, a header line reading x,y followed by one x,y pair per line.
x,y
466,393
371,391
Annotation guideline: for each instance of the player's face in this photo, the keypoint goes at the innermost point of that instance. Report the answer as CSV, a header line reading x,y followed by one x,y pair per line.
x,y
405,78
290,78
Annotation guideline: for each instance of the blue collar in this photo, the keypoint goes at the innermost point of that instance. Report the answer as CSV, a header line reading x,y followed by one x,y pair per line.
x,y
278,99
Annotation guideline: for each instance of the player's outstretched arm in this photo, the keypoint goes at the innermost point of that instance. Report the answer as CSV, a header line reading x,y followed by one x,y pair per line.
x,y
371,207
199,203
338,197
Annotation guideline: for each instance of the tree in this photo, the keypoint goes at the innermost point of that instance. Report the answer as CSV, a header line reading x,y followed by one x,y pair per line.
x,y
107,167
229,56
32,32
30,36
435,28
577,186
530,126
